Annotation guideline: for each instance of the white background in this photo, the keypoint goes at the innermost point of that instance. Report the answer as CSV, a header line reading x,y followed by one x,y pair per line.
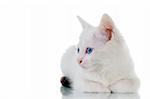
x,y
35,33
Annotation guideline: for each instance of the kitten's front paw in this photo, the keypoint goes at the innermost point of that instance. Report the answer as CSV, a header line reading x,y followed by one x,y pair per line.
x,y
125,86
91,87
99,89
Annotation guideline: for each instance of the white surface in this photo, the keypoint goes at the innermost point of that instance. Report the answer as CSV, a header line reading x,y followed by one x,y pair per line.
x,y
66,94
35,33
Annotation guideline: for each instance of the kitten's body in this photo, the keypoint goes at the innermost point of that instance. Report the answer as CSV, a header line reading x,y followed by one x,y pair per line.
x,y
110,69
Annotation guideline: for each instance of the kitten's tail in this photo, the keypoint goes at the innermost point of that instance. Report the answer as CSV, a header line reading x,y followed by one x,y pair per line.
x,y
65,81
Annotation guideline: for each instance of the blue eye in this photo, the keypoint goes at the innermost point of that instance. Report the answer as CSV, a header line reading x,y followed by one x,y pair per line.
x,y
78,50
89,50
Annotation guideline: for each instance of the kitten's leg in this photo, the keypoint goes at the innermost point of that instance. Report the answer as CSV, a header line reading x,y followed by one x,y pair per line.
x,y
125,86
90,86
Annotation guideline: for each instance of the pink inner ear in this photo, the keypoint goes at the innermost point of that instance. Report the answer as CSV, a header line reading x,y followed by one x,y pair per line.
x,y
108,30
107,26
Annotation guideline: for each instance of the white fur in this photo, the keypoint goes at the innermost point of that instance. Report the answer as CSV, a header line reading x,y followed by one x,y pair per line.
x,y
109,68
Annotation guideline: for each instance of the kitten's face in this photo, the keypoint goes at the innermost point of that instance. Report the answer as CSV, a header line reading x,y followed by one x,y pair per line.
x,y
92,40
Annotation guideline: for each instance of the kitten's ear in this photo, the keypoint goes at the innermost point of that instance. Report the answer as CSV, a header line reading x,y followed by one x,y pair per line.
x,y
84,23
107,26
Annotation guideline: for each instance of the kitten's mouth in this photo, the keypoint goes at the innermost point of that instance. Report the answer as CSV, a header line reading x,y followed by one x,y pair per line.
x,y
82,66
93,66
88,68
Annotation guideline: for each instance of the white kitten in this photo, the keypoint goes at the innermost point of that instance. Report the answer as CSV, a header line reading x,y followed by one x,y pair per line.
x,y
101,61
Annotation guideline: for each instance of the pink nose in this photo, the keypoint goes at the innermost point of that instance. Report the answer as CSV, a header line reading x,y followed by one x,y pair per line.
x,y
80,61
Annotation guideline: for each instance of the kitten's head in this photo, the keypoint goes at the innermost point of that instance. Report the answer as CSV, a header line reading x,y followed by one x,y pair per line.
x,y
92,40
